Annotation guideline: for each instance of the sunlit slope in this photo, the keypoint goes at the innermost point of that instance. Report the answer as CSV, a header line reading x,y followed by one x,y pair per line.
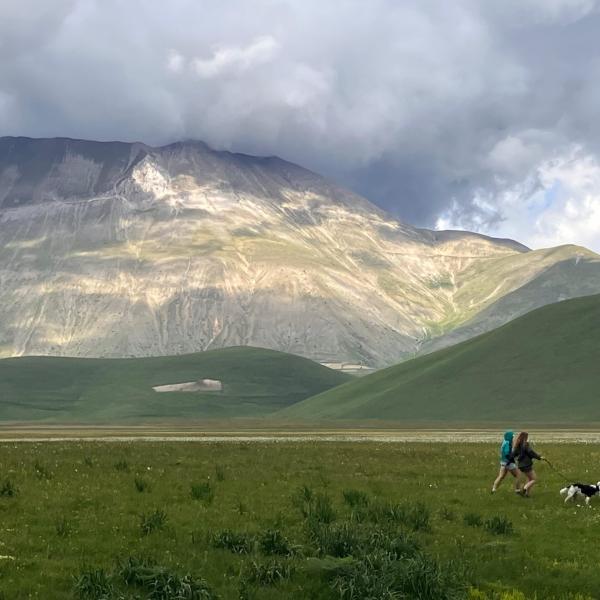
x,y
255,382
543,367
492,292
113,250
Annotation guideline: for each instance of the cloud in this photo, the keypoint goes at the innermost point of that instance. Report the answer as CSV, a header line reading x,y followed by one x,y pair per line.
x,y
559,203
175,61
227,59
439,112
515,155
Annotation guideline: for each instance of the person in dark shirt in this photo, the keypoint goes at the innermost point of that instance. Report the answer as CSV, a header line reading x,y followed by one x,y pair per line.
x,y
524,454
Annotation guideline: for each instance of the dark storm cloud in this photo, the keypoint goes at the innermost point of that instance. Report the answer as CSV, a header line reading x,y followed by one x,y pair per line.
x,y
423,106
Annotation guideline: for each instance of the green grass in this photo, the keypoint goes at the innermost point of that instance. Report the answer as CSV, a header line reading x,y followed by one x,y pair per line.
x,y
542,367
255,382
403,517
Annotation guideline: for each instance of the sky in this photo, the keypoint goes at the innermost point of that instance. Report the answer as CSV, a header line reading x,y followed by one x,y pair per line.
x,y
470,114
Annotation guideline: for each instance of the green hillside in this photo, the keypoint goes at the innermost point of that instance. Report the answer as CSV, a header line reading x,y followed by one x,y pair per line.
x,y
61,390
543,367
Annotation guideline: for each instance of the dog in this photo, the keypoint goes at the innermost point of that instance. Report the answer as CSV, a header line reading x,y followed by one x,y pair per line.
x,y
580,489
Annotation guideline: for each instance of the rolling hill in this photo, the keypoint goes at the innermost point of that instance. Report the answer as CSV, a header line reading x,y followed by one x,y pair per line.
x,y
62,390
114,250
543,367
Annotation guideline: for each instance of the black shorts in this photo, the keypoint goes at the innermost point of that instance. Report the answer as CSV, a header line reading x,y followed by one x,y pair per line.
x,y
526,469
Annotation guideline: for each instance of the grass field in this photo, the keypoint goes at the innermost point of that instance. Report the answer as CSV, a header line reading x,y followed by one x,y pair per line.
x,y
542,366
255,382
289,520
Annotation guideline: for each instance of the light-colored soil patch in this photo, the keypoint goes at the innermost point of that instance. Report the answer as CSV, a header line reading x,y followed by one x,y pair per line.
x,y
202,385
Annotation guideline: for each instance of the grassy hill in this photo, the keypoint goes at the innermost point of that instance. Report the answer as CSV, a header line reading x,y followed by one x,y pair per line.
x,y
543,367
255,382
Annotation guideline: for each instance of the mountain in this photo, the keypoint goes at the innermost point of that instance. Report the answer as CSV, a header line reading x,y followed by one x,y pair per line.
x,y
539,368
111,249
252,382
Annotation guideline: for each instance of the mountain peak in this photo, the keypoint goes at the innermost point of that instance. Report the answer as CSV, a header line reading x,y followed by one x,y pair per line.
x,y
124,249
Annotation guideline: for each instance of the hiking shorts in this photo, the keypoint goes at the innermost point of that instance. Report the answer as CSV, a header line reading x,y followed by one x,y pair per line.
x,y
510,466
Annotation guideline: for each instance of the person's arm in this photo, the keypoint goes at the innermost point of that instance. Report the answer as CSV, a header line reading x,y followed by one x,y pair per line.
x,y
511,455
534,454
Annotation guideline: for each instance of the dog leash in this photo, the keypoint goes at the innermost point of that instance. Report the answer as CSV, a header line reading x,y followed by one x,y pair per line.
x,y
555,469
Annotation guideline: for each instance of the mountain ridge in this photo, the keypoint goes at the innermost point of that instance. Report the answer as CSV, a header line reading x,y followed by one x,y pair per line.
x,y
120,249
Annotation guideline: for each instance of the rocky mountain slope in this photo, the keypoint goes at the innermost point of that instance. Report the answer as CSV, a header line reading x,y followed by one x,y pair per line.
x,y
116,250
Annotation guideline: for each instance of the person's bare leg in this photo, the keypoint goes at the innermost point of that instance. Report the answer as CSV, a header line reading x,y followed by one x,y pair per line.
x,y
515,473
501,476
532,479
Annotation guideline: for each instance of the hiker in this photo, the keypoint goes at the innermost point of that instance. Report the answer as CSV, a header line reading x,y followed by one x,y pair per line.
x,y
506,465
524,454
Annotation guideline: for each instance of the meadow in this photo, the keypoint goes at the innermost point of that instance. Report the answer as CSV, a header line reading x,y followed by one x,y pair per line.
x,y
256,381
321,520
542,366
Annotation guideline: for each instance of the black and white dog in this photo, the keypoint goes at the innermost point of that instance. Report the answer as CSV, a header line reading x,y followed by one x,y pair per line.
x,y
580,489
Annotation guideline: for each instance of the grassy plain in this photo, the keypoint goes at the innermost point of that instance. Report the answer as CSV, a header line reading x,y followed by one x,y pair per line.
x,y
320,520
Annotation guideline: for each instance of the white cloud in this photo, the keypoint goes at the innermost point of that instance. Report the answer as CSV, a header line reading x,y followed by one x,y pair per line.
x,y
572,185
175,62
546,11
431,109
230,58
559,203
517,154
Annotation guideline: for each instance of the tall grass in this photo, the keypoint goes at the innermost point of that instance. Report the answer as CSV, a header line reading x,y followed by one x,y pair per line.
x,y
472,519
315,506
153,521
415,515
41,471
338,540
235,541
8,489
203,492
122,465
93,584
267,573
220,472
354,498
379,575
161,583
141,485
63,527
499,525
272,542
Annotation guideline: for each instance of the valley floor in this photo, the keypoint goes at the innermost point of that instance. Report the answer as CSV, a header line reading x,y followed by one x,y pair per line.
x,y
298,520
234,432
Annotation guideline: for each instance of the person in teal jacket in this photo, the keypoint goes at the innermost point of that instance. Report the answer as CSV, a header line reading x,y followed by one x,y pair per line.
x,y
507,464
